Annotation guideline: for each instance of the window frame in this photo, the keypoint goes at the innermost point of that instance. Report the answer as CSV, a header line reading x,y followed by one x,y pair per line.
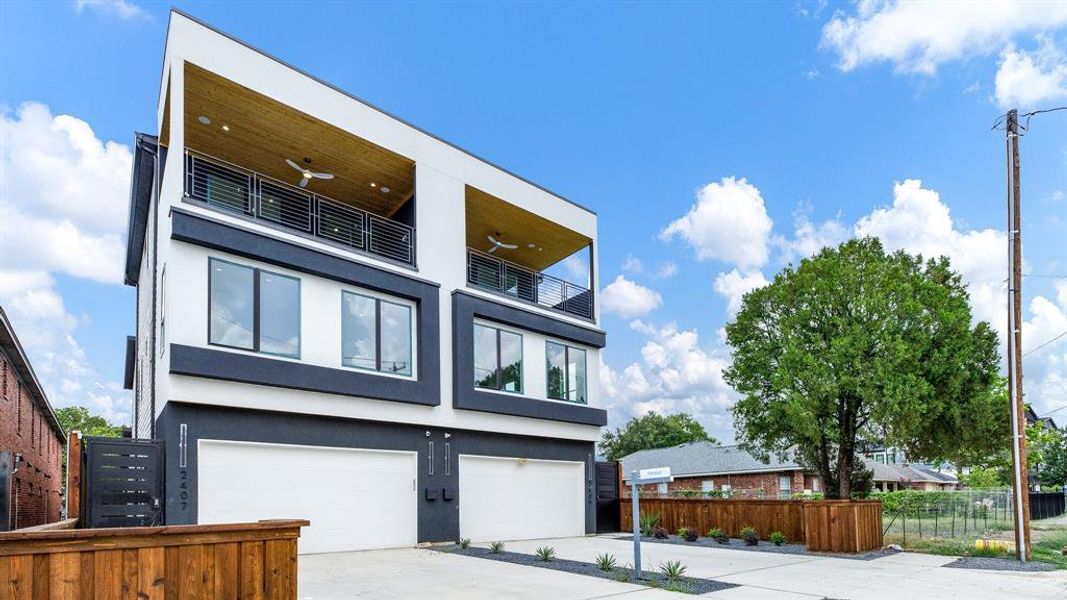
x,y
256,273
566,372
412,333
499,366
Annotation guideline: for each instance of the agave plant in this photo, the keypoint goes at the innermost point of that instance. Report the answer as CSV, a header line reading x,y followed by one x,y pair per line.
x,y
606,562
545,553
496,547
673,570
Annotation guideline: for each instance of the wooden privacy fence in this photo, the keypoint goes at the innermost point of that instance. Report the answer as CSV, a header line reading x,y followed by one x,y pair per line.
x,y
843,525
823,525
243,560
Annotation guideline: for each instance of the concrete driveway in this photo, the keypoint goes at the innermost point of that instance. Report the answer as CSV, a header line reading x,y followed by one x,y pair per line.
x,y
411,573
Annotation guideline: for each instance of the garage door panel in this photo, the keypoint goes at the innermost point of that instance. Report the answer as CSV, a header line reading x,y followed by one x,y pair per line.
x,y
510,498
355,499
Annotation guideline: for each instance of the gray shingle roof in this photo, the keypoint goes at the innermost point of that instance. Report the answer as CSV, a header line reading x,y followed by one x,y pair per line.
x,y
907,473
702,458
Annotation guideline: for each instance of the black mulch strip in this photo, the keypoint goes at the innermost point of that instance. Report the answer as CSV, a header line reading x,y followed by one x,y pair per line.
x,y
689,585
998,564
736,544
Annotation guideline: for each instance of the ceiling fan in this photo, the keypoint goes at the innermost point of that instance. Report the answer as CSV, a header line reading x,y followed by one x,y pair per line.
x,y
307,174
498,244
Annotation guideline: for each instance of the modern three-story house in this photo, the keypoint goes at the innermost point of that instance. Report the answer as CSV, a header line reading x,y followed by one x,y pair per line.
x,y
343,318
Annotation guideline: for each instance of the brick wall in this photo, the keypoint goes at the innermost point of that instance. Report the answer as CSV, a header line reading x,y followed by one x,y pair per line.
x,y
743,485
36,484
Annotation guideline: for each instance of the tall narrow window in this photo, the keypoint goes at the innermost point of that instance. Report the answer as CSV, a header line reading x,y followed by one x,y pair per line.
x,y
376,334
254,309
497,359
565,372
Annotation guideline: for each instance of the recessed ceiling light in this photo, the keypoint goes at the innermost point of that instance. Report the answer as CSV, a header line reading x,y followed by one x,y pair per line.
x,y
531,245
372,184
204,120
385,190
225,127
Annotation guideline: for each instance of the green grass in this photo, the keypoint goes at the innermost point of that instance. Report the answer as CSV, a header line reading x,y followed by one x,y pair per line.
x,y
1046,546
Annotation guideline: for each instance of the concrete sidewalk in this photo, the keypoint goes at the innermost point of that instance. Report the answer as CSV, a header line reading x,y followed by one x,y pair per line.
x,y
763,574
412,573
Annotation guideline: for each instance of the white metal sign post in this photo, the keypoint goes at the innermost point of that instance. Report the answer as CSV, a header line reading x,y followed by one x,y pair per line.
x,y
637,478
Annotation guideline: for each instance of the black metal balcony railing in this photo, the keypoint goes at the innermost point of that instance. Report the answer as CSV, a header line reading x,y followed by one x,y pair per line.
x,y
235,189
487,271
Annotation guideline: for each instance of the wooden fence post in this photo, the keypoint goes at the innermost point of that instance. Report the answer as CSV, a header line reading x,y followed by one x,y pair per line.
x,y
74,474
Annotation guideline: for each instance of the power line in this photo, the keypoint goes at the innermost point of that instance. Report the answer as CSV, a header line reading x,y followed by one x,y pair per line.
x,y
1045,343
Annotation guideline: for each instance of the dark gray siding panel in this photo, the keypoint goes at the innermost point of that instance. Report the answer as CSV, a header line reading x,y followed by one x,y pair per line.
x,y
465,308
438,520
195,229
260,370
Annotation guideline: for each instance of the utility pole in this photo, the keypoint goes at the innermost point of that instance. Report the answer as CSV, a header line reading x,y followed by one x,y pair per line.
x,y
1020,470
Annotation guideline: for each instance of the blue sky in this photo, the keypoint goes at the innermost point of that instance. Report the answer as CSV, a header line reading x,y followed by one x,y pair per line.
x,y
716,142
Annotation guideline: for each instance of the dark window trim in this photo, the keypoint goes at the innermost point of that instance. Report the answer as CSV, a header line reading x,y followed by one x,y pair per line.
x,y
242,367
256,313
378,334
567,372
465,308
500,365
426,389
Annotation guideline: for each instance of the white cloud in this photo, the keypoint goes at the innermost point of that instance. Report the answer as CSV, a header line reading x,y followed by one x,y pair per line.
x,y
628,299
917,37
63,195
123,9
1025,79
728,222
675,374
666,270
809,238
734,285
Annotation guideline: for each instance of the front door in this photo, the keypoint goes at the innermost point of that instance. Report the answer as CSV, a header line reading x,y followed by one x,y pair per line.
x,y
607,497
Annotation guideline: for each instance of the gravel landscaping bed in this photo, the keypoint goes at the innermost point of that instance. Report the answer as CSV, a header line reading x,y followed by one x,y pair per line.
x,y
736,544
688,585
998,564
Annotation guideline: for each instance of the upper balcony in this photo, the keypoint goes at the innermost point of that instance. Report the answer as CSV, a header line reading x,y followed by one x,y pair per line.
x,y
516,253
248,154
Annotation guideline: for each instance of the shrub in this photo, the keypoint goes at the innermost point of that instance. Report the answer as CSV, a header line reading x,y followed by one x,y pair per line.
x,y
778,538
606,562
749,535
682,532
686,493
648,523
660,533
464,543
722,538
673,570
496,547
714,532
690,534
545,553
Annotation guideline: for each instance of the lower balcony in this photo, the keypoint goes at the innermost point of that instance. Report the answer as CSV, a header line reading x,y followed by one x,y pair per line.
x,y
488,272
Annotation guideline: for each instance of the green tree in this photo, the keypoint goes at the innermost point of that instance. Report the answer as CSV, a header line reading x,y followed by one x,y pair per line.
x,y
78,418
982,478
652,431
1047,455
855,343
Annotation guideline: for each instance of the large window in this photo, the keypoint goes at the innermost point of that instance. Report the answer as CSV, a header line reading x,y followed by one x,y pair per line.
x,y
375,334
566,372
497,359
253,309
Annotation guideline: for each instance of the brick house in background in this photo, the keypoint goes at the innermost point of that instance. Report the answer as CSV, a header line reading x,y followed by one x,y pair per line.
x,y
32,442
703,468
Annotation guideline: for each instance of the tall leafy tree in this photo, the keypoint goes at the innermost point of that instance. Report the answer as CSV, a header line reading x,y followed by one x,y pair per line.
x,y
857,343
79,417
652,431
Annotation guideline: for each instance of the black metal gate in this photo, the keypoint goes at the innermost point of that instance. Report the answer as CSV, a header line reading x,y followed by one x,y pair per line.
x,y
607,497
123,481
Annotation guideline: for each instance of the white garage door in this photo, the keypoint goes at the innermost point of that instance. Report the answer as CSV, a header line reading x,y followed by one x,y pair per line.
x,y
355,499
519,499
